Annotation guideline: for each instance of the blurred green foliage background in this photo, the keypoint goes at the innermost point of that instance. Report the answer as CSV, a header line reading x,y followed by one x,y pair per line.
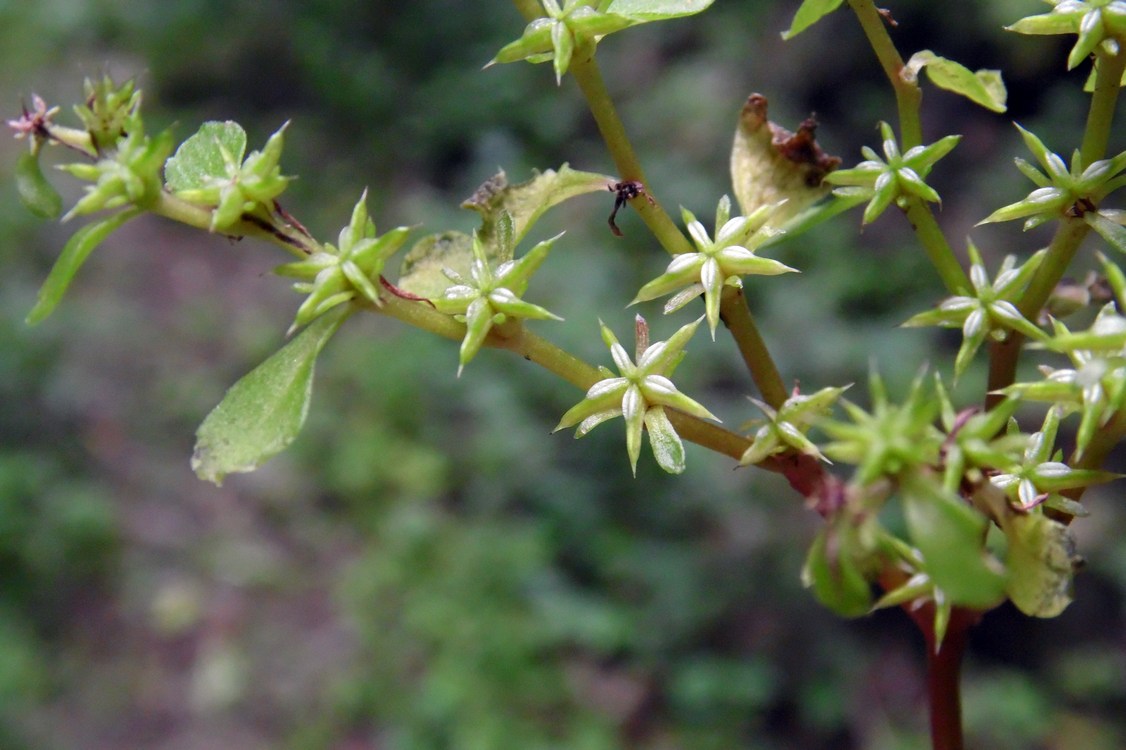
x,y
428,568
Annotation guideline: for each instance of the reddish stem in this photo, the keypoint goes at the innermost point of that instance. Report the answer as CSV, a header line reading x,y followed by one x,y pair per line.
x,y
944,669
944,665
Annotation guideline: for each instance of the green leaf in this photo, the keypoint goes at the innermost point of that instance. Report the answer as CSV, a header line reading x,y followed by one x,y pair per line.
x,y
527,201
983,87
834,575
422,272
810,12
204,156
263,412
36,194
74,254
1041,562
656,10
949,534
840,201
1113,233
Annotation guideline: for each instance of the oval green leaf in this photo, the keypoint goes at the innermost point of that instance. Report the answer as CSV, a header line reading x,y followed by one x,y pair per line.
x,y
656,10
74,254
810,12
36,193
983,87
203,157
950,535
263,412
835,577
1112,232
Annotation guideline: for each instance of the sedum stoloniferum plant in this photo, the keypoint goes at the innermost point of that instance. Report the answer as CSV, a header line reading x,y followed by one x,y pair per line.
x,y
959,477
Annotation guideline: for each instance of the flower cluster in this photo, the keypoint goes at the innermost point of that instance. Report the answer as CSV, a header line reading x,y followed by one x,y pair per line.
x,y
786,426
556,36
716,263
989,310
490,295
640,394
235,186
898,176
1094,21
335,275
889,440
128,174
1067,192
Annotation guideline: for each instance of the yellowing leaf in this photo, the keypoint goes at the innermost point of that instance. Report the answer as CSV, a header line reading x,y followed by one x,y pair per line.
x,y
422,270
770,164
527,201
1041,562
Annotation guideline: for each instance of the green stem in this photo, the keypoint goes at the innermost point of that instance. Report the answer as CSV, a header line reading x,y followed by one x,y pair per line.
x,y
737,316
1070,233
908,95
1005,355
937,248
584,69
535,348
194,215
548,356
421,315
711,435
1105,439
1100,117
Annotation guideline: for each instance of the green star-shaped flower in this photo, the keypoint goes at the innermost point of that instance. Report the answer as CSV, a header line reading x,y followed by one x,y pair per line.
x,y
556,36
1038,475
640,394
1095,386
109,112
1094,21
976,441
896,177
1064,192
254,182
989,311
491,296
335,275
785,427
127,175
716,263
891,439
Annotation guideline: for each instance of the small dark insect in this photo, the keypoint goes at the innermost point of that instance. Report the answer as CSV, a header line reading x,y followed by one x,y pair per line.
x,y
1080,208
623,192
